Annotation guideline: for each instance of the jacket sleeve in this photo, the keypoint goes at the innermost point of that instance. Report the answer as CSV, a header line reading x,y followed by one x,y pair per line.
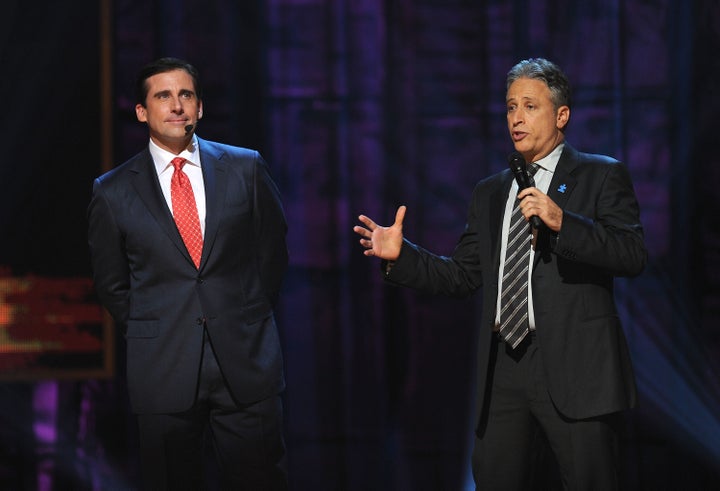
x,y
270,227
111,274
458,275
611,238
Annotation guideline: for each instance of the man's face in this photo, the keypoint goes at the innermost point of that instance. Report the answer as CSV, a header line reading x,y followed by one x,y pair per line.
x,y
171,104
534,124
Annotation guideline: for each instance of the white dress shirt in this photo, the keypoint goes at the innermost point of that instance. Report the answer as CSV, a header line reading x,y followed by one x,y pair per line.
x,y
543,176
163,166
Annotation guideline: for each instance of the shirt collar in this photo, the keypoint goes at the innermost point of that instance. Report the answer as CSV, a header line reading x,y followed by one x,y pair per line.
x,y
162,158
550,161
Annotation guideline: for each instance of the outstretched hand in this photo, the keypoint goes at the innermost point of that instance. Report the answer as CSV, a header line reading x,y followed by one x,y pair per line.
x,y
383,242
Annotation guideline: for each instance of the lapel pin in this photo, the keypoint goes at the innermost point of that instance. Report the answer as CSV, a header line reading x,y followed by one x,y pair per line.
x,y
562,188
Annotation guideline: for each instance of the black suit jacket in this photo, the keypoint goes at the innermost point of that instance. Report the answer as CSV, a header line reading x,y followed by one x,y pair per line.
x,y
145,277
584,351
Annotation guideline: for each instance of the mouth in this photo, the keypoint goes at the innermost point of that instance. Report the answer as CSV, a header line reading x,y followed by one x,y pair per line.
x,y
518,135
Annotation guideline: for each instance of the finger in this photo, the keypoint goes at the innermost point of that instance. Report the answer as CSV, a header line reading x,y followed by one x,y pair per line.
x,y
528,212
368,222
400,215
362,231
525,192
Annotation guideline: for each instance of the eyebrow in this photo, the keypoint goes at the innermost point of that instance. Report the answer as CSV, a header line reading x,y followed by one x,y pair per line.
x,y
167,92
521,98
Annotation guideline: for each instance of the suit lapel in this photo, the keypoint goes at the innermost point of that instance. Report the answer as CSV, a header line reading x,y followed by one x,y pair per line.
x,y
563,183
147,186
498,199
215,189
561,187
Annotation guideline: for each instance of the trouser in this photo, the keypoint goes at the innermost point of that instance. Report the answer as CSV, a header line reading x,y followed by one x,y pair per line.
x,y
247,439
519,407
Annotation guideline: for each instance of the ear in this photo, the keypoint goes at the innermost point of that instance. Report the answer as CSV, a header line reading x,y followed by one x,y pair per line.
x,y
140,113
200,110
563,116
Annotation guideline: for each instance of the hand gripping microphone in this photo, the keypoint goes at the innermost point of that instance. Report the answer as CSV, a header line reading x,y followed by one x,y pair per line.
x,y
519,169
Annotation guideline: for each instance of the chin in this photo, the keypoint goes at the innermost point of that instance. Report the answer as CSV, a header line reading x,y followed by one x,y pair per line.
x,y
521,148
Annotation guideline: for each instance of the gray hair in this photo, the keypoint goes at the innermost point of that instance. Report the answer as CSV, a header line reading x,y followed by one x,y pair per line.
x,y
546,71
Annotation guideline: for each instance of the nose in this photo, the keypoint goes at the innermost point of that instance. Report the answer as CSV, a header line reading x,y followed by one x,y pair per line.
x,y
515,117
177,106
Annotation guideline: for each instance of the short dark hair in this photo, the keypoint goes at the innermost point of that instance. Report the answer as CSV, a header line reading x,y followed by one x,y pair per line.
x,y
546,71
163,65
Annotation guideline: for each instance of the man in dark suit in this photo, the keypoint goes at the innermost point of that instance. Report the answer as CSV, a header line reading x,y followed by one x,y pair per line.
x,y
552,356
188,248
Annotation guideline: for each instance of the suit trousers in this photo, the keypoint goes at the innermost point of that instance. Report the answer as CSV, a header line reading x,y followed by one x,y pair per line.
x,y
519,423
247,440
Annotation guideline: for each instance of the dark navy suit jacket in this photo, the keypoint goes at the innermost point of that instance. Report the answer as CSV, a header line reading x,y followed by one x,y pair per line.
x,y
583,346
144,276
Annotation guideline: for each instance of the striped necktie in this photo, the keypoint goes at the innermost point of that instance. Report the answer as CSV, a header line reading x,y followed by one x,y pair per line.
x,y
514,324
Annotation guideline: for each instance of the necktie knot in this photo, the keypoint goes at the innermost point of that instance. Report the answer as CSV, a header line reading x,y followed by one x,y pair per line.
x,y
178,163
179,176
532,169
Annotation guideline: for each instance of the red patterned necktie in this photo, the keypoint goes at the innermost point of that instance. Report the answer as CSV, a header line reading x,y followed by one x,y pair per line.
x,y
185,211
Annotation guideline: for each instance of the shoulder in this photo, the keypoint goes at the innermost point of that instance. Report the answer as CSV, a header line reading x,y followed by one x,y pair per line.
x,y
494,181
573,155
578,163
128,168
594,168
223,151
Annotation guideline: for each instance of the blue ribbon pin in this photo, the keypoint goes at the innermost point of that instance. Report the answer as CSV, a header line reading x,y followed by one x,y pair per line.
x,y
562,188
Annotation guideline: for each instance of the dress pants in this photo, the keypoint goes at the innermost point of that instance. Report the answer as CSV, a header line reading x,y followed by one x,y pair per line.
x,y
519,417
247,439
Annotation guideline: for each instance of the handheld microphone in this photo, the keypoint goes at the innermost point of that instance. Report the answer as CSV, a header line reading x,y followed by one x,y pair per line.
x,y
189,128
519,169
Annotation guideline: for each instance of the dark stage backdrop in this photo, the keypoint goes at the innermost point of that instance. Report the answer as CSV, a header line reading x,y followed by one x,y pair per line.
x,y
359,107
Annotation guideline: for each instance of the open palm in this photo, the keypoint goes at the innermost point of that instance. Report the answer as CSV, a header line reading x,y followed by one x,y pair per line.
x,y
383,242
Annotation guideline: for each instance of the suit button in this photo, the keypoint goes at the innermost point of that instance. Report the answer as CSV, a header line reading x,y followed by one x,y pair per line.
x,y
200,280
